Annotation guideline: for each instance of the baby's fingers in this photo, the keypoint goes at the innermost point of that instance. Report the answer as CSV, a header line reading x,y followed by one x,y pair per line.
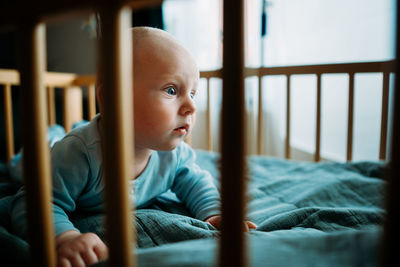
x,y
71,261
64,263
251,225
89,257
101,251
77,261
248,225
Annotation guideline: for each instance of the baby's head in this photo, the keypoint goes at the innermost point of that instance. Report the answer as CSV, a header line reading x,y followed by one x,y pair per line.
x,y
165,83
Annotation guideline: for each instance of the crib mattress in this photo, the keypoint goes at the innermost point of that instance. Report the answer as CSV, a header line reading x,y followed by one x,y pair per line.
x,y
308,214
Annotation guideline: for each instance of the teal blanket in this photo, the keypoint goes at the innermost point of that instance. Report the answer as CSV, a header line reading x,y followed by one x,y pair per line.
x,y
308,214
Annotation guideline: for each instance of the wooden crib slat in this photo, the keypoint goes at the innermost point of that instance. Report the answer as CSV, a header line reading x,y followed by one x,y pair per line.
x,y
232,243
317,155
350,118
36,150
260,122
51,107
91,101
384,116
287,141
116,48
209,126
390,243
71,111
8,117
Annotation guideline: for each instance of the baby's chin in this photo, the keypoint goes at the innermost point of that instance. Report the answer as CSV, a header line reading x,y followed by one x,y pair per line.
x,y
166,147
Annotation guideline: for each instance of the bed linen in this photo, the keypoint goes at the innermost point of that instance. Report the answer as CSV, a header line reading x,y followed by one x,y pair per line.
x,y
308,214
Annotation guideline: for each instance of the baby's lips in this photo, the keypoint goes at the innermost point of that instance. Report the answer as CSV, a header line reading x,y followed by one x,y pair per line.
x,y
186,127
183,130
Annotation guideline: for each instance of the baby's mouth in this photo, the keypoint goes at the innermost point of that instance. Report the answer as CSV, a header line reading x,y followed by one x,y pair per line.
x,y
182,130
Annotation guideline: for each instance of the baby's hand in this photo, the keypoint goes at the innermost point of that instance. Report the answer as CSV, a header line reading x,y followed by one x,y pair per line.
x,y
76,249
216,222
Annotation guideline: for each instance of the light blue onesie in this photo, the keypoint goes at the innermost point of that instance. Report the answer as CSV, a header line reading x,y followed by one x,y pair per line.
x,y
78,180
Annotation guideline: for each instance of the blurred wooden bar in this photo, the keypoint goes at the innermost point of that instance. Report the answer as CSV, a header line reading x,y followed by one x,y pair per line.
x,y
117,127
72,112
51,107
208,114
91,101
384,116
260,121
288,108
8,118
317,155
232,249
36,160
350,118
54,79
390,251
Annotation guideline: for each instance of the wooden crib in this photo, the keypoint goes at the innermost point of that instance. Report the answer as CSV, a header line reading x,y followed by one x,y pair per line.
x,y
39,110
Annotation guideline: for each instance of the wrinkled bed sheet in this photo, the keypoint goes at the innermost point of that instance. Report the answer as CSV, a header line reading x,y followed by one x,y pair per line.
x,y
308,214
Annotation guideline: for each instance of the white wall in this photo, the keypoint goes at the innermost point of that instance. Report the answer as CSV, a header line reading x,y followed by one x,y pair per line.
x,y
330,31
71,46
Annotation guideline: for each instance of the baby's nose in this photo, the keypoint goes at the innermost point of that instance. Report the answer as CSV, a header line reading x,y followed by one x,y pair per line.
x,y
188,107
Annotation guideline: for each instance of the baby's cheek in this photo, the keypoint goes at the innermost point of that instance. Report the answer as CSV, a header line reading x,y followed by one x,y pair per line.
x,y
167,119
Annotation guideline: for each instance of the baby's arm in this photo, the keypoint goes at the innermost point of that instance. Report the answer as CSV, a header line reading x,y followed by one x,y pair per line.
x,y
217,219
194,186
76,249
72,179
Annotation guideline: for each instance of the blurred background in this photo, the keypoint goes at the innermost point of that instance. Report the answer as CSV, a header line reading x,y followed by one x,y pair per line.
x,y
297,32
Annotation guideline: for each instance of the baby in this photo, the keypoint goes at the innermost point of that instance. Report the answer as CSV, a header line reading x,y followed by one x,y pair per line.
x,y
165,84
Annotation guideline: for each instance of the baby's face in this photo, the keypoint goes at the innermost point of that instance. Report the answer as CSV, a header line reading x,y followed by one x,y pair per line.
x,y
165,83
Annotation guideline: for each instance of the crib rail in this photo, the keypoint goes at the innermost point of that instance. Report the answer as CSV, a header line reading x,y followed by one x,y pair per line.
x,y
232,249
351,69
36,152
74,86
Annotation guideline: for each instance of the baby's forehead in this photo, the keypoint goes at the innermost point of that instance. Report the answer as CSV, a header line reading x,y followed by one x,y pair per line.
x,y
158,42
152,38
161,48
154,47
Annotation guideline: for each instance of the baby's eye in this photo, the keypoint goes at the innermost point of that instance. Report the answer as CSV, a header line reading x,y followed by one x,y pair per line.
x,y
170,91
192,95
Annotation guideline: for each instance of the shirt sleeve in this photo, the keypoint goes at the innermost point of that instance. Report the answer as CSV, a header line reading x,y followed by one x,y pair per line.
x,y
70,171
195,186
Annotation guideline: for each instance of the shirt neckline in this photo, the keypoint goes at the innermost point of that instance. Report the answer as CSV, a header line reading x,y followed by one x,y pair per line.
x,y
139,180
